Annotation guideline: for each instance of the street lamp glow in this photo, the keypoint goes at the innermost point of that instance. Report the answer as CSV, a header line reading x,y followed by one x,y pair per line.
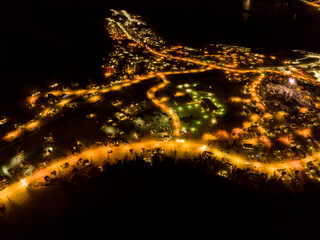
x,y
23,182
202,148
292,81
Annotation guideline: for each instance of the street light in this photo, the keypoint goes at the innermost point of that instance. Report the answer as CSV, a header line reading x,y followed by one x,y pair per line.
x,y
23,182
202,148
292,81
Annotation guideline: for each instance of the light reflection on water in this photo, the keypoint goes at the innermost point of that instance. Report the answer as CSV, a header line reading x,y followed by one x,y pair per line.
x,y
246,4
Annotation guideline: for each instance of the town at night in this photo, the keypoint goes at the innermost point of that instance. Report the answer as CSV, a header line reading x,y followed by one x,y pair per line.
x,y
156,137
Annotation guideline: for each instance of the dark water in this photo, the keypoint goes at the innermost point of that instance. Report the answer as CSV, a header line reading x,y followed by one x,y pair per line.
x,y
65,41
253,23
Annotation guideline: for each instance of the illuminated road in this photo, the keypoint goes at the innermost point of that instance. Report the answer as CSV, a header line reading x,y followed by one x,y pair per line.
x,y
191,147
161,104
17,191
315,4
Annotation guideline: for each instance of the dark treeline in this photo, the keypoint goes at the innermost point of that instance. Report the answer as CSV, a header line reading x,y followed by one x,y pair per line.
x,y
168,201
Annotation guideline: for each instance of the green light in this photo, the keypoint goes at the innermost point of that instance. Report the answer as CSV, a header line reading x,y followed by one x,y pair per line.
x,y
205,116
193,129
198,122
189,106
197,105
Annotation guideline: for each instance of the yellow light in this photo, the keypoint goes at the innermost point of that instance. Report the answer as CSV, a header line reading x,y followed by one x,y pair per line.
x,y
236,160
304,132
254,117
23,182
246,124
12,135
267,116
285,139
235,99
202,148
179,94
237,131
303,110
94,99
63,102
32,99
32,125
252,141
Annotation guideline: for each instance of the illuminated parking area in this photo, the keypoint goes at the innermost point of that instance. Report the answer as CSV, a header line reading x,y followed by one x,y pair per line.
x,y
200,109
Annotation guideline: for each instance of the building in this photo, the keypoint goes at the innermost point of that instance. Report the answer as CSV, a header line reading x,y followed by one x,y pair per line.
x,y
208,105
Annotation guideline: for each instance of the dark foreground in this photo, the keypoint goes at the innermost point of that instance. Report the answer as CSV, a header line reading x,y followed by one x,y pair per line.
x,y
167,201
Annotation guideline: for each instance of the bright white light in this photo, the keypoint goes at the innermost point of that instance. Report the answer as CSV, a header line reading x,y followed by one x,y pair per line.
x,y
23,183
292,81
317,75
180,140
204,147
